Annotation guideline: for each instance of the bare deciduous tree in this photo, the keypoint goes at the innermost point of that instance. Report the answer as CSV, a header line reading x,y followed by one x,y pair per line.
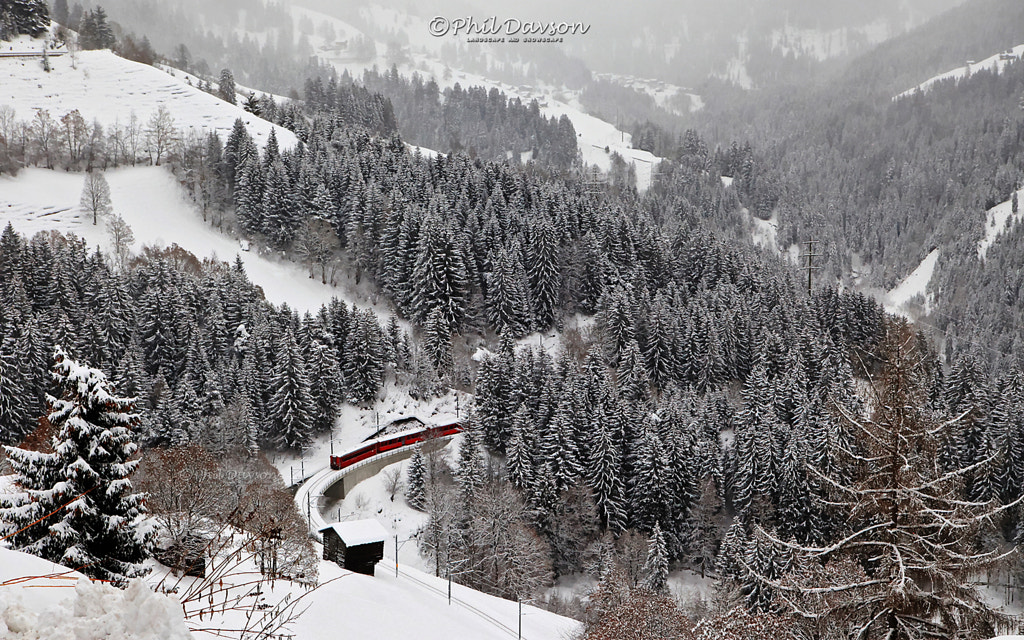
x,y
317,243
96,196
184,489
121,237
393,483
160,134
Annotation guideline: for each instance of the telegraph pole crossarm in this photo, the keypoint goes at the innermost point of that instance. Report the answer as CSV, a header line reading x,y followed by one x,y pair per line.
x,y
809,255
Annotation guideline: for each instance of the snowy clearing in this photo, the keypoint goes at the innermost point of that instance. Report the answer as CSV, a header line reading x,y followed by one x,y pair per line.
x,y
912,286
995,63
152,203
110,89
996,221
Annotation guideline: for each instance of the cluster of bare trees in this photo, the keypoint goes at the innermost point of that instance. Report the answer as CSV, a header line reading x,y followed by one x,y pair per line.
x,y
71,142
194,495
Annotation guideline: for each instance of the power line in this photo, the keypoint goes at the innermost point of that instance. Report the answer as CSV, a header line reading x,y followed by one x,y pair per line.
x,y
810,256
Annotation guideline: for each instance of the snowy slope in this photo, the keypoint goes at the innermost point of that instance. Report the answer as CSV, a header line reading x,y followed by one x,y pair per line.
x,y
995,63
151,202
996,221
110,89
913,285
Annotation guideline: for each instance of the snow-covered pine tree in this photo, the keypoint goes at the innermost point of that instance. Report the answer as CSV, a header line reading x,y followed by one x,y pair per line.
x,y
78,501
325,385
226,89
470,472
291,409
439,277
30,17
280,210
519,451
543,271
363,366
416,482
508,307
656,565
15,420
437,341
634,385
603,475
755,478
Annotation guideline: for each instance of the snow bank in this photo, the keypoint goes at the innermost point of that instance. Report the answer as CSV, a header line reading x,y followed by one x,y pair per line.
x,y
109,89
68,605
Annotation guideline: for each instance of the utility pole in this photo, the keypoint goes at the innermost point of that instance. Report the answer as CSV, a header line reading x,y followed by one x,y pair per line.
x,y
810,255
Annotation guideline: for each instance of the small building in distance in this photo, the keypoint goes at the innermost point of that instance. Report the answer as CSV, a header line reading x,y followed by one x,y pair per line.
x,y
356,545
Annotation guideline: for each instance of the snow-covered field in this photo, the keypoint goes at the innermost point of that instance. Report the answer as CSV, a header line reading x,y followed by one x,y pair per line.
x,y
995,63
109,89
153,204
996,221
913,285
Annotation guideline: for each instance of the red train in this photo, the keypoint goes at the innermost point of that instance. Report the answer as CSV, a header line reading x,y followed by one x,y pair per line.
x,y
387,443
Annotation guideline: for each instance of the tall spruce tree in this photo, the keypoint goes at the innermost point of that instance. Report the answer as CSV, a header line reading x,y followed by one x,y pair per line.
x,y
77,506
290,407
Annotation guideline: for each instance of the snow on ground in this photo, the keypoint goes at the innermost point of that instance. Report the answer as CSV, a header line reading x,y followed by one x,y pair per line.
x,y
40,600
415,605
152,203
996,222
371,499
110,89
242,92
995,63
912,286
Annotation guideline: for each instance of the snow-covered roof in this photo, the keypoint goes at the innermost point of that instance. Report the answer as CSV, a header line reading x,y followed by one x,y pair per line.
x,y
356,532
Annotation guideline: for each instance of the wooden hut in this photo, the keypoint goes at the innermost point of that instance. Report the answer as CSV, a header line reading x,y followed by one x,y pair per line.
x,y
356,545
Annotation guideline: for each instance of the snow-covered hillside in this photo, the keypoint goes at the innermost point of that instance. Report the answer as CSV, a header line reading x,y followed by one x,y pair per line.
x,y
595,135
109,89
995,63
153,204
914,285
997,220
